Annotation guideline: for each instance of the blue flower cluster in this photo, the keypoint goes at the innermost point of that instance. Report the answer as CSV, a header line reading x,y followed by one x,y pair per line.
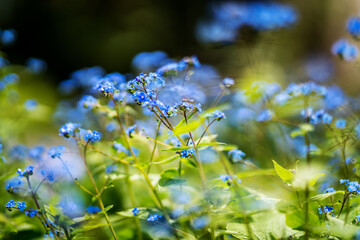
x,y
154,217
186,153
236,155
28,171
327,209
352,187
228,17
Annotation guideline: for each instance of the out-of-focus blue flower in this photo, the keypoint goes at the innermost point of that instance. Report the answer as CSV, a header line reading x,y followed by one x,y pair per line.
x,y
341,123
56,152
69,129
228,17
31,212
48,174
345,50
358,218
89,135
8,36
201,222
228,82
335,97
19,152
353,26
344,181
36,153
36,65
11,78
130,130
149,61
225,178
14,185
154,217
68,87
110,127
93,209
319,68
236,155
109,169
327,209
265,115
329,190
30,104
87,102
105,87
119,148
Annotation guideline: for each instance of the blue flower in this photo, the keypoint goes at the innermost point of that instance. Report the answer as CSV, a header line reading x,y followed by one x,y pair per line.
x,y
88,135
119,148
228,82
345,50
69,129
109,169
218,115
36,153
329,190
236,155
8,36
148,61
87,102
353,26
201,222
358,218
344,181
341,123
36,65
93,209
105,87
225,178
186,153
154,217
56,152
139,97
327,209
135,211
31,212
21,206
14,185
130,130
19,152
10,204
28,171
48,174
31,104
265,115
110,127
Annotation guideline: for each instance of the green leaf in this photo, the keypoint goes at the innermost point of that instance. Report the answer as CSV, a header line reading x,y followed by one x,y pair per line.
x,y
174,149
211,144
188,162
303,129
169,160
321,197
314,179
170,177
186,128
170,173
107,208
165,182
283,173
257,172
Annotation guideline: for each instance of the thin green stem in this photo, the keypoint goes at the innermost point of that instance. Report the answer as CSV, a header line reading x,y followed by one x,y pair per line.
x,y
153,151
146,177
97,192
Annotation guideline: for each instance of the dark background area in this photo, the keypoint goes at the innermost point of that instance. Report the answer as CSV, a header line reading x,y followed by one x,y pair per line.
x,y
70,35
